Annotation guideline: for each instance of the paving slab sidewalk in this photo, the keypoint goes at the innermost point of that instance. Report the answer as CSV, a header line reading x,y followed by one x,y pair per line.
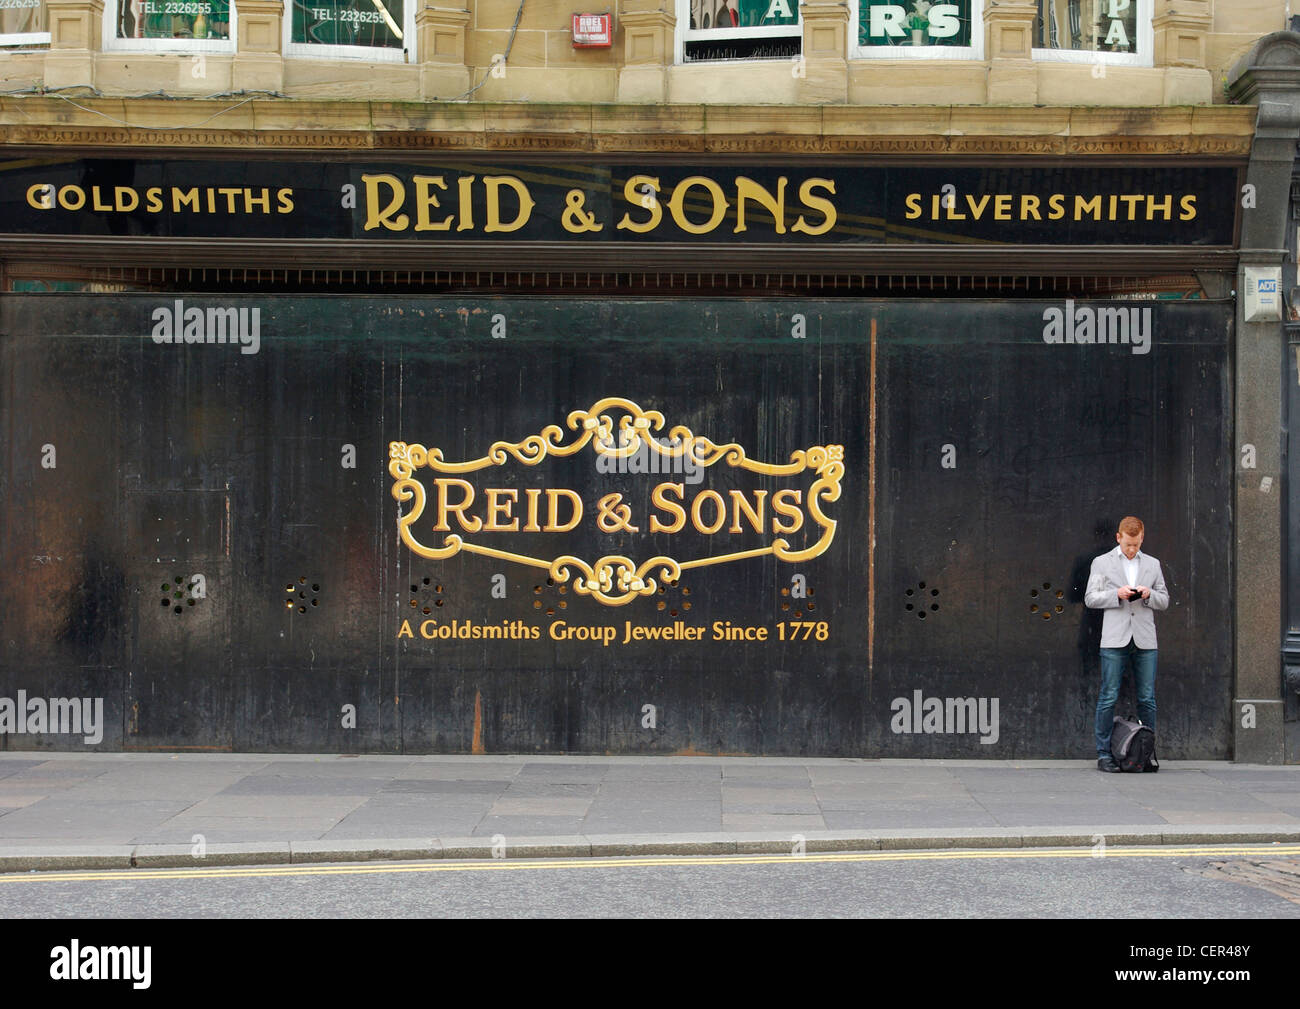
x,y
100,810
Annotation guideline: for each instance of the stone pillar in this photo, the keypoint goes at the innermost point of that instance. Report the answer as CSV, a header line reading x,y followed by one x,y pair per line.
x,y
1009,27
259,61
648,50
76,28
824,77
440,40
1180,28
1269,76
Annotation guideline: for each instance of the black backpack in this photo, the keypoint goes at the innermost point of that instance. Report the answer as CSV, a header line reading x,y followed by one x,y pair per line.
x,y
1133,746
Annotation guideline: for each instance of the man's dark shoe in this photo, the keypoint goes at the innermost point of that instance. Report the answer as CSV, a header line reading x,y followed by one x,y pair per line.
x,y
1108,765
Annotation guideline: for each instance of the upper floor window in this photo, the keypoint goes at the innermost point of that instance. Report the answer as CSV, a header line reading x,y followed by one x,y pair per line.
x,y
194,25
738,29
1090,31
368,29
919,29
22,22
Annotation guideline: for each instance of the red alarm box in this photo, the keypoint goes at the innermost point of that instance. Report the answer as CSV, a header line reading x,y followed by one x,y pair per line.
x,y
591,31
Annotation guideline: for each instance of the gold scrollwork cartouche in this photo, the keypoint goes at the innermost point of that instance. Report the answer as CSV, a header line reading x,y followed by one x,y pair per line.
x,y
615,580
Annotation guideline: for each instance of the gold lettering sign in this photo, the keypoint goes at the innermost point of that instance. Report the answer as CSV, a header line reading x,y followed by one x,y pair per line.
x,y
614,580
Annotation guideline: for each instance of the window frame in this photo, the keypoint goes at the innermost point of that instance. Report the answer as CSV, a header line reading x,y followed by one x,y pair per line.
x,y
685,33
973,52
372,54
111,41
29,38
1146,41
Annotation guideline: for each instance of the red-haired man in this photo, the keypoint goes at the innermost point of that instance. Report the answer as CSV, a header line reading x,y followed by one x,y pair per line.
x,y
1130,587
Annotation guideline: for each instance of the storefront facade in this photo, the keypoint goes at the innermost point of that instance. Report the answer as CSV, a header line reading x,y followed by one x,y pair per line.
x,y
629,428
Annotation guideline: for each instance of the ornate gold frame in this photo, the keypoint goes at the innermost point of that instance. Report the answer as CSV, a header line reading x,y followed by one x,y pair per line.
x,y
616,580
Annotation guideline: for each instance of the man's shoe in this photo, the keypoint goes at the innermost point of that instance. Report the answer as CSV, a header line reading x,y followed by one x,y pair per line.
x,y
1108,765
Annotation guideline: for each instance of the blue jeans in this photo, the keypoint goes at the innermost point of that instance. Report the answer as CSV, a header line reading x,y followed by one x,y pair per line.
x,y
1113,661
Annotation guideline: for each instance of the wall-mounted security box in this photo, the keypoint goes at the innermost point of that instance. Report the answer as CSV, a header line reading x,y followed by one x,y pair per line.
x,y
592,31
1263,294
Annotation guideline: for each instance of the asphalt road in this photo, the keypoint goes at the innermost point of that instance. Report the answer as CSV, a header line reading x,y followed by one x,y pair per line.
x,y
1149,883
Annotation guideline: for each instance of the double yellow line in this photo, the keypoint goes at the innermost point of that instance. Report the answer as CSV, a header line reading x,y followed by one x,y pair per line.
x,y
658,861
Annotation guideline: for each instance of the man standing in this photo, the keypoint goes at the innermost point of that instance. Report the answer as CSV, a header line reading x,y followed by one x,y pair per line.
x,y
1130,587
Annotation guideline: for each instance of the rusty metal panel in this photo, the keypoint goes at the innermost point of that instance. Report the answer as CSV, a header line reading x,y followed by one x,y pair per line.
x,y
966,467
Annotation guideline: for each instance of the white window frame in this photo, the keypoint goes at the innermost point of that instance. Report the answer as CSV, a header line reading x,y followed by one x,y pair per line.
x,y
28,38
687,34
112,42
373,54
1146,42
974,51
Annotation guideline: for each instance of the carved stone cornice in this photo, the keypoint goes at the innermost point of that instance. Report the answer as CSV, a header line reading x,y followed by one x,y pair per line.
x,y
968,131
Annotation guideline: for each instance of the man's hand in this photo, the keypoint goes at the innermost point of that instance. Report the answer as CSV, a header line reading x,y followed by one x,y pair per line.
x,y
1124,592
1142,591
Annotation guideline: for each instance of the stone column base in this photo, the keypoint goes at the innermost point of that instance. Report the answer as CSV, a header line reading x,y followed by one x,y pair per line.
x,y
67,68
257,72
1013,82
643,84
443,81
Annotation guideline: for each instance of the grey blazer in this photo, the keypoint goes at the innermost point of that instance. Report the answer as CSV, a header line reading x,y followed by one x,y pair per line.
x,y
1125,619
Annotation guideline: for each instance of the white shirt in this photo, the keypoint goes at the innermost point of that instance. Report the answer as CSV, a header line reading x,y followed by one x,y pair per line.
x,y
1130,567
